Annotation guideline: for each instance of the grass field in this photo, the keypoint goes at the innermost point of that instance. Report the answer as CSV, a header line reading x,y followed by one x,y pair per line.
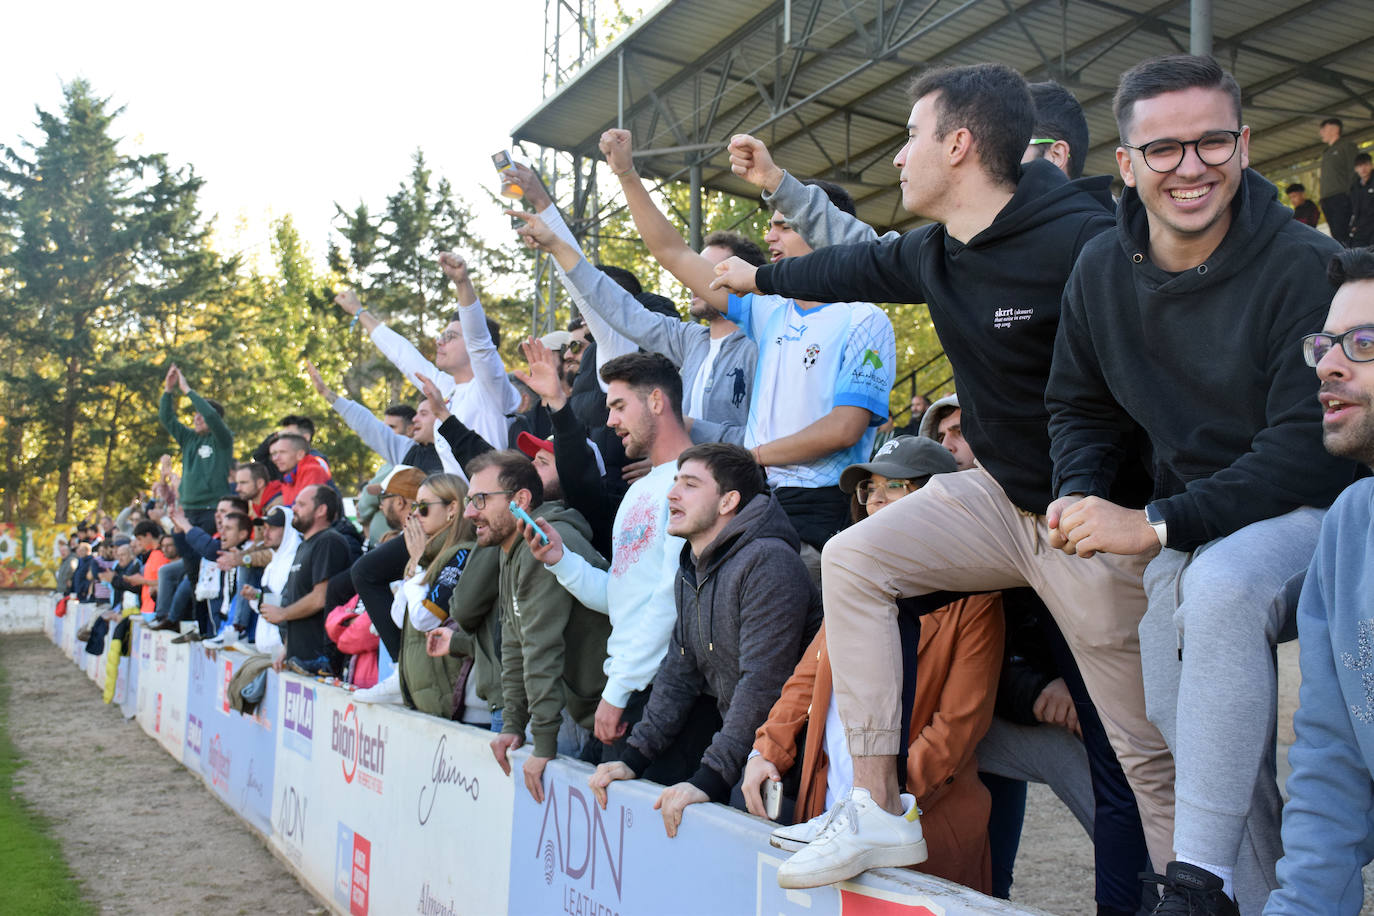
x,y
34,878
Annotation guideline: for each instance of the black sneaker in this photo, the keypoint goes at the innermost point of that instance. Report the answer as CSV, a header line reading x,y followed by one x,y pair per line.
x,y
188,636
1190,891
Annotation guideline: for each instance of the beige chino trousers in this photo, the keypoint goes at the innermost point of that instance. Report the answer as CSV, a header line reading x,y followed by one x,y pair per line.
x,y
961,533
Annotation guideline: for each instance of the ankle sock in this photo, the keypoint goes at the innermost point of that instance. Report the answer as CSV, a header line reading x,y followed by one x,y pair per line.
x,y
1222,872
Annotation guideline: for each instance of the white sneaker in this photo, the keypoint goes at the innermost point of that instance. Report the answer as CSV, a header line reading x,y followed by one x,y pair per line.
x,y
858,836
794,837
387,691
227,637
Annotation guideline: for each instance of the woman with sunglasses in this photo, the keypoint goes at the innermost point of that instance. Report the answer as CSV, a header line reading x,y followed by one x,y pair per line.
x,y
958,658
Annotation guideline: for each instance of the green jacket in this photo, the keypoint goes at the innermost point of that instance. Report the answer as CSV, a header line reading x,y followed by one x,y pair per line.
x,y
473,607
426,682
553,650
205,459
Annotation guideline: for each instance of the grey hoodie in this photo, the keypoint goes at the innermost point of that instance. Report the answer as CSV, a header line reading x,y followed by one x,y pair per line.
x,y
746,608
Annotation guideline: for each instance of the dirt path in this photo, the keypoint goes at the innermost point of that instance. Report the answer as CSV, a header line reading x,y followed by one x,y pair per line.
x,y
144,834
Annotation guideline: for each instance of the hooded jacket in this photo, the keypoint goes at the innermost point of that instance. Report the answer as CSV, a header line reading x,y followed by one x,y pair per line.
x,y
1208,361
745,609
994,303
552,648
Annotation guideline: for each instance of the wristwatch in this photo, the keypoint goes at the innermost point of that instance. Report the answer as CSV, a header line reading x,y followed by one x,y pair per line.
x,y
1157,523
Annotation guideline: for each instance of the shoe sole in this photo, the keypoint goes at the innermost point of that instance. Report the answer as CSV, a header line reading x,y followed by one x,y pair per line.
x,y
883,857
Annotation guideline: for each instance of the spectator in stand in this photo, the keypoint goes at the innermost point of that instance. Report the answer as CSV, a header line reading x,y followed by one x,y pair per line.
x,y
438,540
66,569
299,469
959,654
1304,210
823,375
552,645
147,535
467,365
289,425
207,447
1362,203
745,608
214,588
1002,230
944,423
82,581
1060,134
1337,171
463,681
276,556
129,516
416,450
1328,835
716,359
1201,244
912,427
254,483
400,418
323,553
351,632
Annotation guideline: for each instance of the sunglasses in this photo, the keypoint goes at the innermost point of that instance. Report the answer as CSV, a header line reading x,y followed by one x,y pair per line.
x,y
575,346
422,508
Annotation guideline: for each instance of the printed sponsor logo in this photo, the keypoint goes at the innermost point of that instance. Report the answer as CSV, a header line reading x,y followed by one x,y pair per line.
x,y
219,760
145,645
871,358
362,753
160,657
251,786
157,715
194,728
352,871
225,677
430,905
444,771
298,726
583,844
291,821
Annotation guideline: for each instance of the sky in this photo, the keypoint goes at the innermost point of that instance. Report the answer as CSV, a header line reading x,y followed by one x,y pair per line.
x,y
289,106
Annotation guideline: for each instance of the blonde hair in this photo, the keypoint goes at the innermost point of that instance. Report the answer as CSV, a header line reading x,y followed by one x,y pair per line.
x,y
451,489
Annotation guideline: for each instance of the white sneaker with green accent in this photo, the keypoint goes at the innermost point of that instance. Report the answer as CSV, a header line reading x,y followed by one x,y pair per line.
x,y
859,835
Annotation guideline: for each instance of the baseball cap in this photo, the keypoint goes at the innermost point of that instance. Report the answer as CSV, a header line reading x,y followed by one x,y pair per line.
x,y
533,445
556,340
902,458
404,481
276,518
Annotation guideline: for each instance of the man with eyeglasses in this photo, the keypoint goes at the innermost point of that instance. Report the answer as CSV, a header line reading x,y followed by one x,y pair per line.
x,y
467,367
1185,323
1328,833
552,645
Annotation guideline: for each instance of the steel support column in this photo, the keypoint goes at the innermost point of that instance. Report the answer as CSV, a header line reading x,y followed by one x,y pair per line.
x,y
1200,27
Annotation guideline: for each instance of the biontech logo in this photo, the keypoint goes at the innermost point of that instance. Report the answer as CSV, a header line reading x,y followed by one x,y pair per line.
x,y
363,753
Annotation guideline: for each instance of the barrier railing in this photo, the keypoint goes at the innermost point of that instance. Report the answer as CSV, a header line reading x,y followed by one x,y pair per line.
x,y
384,810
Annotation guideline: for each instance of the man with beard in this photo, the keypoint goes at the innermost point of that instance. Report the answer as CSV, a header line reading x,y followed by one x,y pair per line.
x,y
645,401
552,646
323,553
716,359
1326,823
416,449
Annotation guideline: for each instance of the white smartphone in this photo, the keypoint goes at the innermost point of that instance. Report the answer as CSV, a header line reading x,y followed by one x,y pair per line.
x,y
772,798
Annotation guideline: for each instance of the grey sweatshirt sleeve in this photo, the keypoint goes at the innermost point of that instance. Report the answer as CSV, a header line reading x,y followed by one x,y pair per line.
x,y
379,437
623,312
818,220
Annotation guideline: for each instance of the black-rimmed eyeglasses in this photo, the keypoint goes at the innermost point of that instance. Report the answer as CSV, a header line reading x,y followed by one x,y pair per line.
x,y
1357,344
480,499
1216,147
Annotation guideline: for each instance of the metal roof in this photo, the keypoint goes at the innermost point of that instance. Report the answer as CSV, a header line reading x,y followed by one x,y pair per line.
x,y
823,81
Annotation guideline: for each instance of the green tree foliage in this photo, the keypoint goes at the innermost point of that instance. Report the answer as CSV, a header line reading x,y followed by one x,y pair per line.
x,y
105,269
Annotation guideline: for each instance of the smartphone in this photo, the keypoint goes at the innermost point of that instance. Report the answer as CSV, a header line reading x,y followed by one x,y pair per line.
x,y
772,798
525,517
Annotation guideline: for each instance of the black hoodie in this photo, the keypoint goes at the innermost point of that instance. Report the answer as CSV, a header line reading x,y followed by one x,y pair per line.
x,y
994,303
746,609
1208,361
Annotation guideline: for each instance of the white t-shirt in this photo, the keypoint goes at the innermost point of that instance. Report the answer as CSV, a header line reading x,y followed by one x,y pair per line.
x,y
701,385
810,362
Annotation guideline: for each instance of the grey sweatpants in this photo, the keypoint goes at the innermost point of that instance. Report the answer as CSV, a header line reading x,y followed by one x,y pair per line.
x,y
1041,753
1206,647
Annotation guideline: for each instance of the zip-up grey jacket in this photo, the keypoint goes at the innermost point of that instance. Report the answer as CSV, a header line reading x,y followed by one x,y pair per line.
x,y
724,410
746,608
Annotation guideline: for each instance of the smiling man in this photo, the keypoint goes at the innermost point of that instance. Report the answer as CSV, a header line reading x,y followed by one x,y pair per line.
x,y
1328,834
1185,323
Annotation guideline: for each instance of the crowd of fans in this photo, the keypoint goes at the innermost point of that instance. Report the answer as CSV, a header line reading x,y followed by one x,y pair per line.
x,y
1073,572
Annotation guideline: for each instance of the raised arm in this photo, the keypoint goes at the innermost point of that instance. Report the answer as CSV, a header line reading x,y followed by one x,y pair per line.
x,y
379,437
665,243
808,207
488,370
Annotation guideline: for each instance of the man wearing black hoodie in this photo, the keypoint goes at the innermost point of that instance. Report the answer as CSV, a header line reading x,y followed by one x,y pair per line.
x,y
746,608
1187,322
992,269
